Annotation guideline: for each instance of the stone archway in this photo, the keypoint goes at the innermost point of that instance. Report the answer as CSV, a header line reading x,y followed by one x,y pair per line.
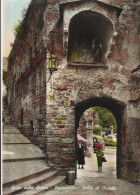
x,y
118,110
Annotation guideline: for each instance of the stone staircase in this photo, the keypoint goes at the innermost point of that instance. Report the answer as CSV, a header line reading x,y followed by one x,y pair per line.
x,y
37,183
24,169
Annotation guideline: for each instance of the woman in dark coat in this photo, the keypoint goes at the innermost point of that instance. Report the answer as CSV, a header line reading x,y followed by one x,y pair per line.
x,y
80,157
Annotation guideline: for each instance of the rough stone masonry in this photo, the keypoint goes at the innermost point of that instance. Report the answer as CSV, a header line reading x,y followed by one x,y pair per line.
x,y
47,106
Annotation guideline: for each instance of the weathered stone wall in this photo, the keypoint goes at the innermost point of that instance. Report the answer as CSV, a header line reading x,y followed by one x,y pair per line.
x,y
76,84
26,80
31,97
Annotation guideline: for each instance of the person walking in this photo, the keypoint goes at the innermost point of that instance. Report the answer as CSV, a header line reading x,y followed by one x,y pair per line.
x,y
99,155
80,157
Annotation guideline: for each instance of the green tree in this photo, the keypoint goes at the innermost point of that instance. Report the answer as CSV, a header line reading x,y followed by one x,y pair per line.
x,y
97,129
20,30
11,57
106,118
4,77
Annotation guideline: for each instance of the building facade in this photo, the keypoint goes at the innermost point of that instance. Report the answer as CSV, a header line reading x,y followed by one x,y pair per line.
x,y
97,44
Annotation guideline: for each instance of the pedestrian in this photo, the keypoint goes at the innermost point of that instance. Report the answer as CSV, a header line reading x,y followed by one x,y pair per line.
x,y
99,155
80,157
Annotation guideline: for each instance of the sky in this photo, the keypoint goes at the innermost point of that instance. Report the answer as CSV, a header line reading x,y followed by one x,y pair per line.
x,y
11,14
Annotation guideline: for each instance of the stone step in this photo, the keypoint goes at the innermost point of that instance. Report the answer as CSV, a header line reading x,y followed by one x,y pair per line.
x,y
25,159
10,129
26,177
42,189
30,182
8,116
13,171
17,152
22,165
21,183
14,138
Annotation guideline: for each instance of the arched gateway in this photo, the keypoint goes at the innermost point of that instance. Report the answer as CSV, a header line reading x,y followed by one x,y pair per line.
x,y
118,110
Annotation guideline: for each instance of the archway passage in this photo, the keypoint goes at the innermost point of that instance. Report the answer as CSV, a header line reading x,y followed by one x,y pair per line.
x,y
117,109
87,28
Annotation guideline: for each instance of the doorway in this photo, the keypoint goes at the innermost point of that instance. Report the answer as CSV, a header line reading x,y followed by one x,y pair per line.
x,y
116,108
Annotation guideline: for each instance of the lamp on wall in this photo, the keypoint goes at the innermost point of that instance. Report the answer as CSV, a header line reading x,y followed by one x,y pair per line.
x,y
53,60
53,63
52,67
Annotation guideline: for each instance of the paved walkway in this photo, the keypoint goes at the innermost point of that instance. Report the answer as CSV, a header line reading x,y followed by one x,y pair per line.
x,y
20,157
90,182
19,160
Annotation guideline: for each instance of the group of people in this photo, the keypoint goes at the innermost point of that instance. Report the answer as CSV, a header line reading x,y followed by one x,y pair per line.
x,y
81,158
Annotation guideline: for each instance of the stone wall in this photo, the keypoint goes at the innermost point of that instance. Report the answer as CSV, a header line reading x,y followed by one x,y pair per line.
x,y
80,84
26,81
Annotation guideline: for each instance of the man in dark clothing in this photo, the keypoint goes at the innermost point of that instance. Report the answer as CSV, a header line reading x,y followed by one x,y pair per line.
x,y
80,157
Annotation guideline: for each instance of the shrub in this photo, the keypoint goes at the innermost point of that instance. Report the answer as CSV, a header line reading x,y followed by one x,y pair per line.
x,y
11,57
4,77
106,118
110,143
97,129
20,30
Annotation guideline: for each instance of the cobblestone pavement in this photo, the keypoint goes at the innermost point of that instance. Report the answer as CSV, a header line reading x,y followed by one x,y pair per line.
x,y
91,182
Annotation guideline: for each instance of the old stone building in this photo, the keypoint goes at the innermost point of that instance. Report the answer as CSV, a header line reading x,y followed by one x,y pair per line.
x,y
97,44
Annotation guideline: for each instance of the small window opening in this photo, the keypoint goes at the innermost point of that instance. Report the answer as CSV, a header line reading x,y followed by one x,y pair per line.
x,y
21,121
31,125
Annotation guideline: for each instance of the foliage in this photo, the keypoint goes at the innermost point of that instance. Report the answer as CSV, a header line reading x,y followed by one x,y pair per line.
x,y
20,30
110,143
5,76
11,57
98,136
106,117
24,11
97,129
